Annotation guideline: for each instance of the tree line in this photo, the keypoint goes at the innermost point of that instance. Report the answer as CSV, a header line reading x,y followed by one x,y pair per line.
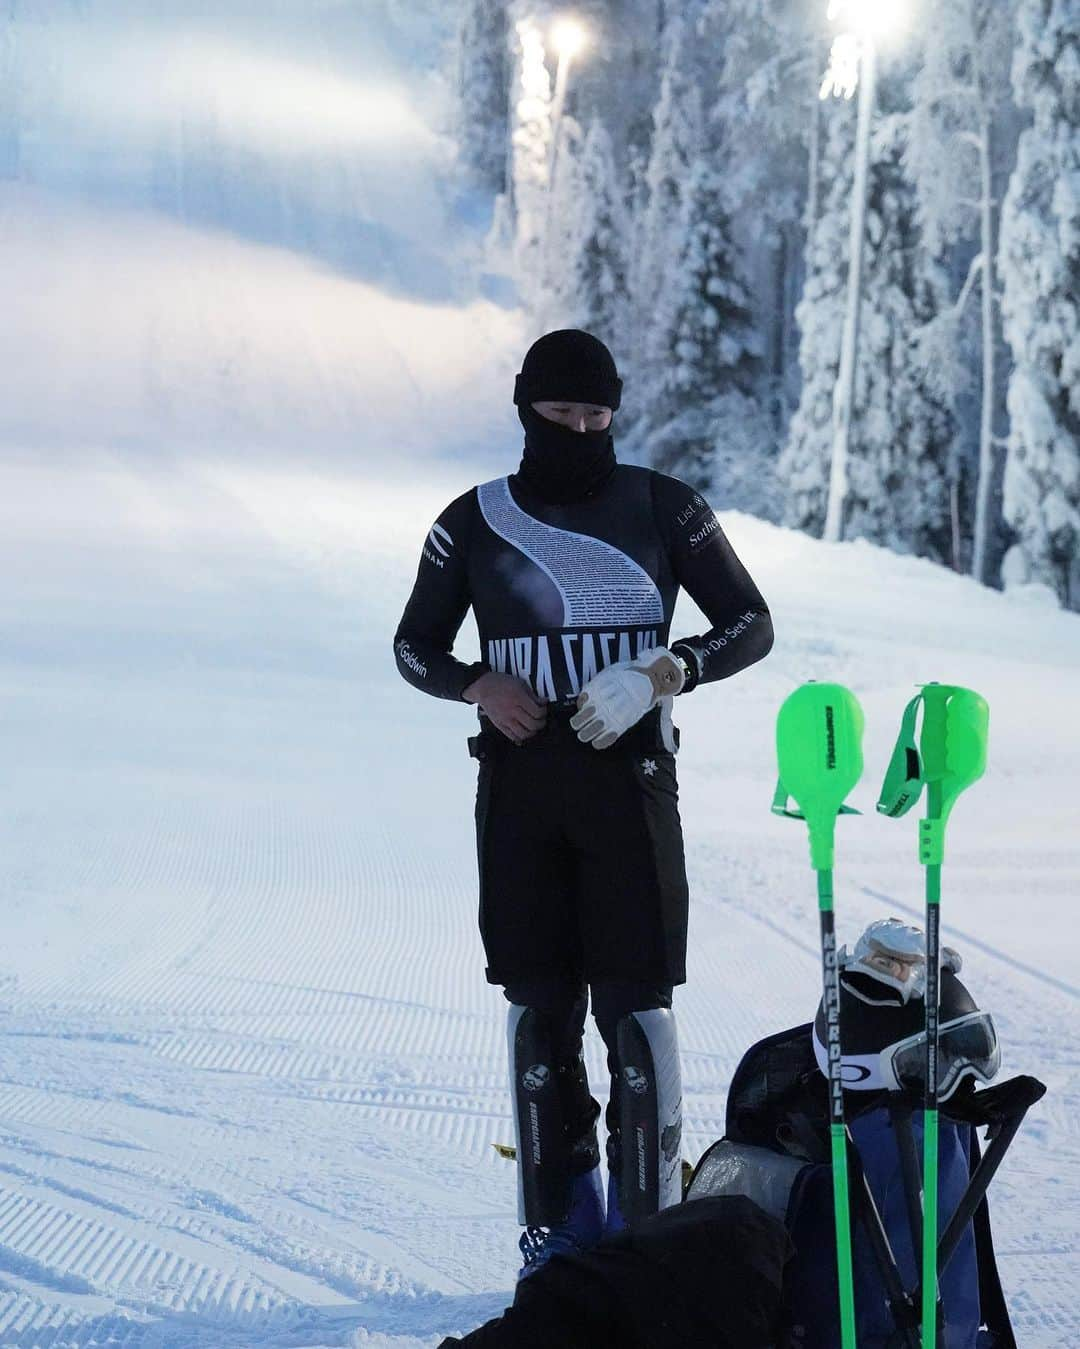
x,y
687,196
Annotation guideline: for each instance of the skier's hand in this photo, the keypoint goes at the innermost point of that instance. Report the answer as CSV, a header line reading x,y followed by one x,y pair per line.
x,y
509,704
618,697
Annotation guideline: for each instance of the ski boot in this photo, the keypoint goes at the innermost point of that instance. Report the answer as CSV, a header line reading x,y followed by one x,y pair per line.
x,y
583,1227
615,1222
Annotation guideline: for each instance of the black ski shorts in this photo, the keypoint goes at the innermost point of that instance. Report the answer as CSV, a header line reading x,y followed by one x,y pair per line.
x,y
580,856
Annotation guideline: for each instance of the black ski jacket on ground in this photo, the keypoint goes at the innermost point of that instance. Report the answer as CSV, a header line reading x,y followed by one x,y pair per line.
x,y
560,591
703,1275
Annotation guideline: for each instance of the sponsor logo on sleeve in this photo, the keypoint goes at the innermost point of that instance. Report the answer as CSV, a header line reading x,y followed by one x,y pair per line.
x,y
408,657
733,630
690,510
438,545
703,531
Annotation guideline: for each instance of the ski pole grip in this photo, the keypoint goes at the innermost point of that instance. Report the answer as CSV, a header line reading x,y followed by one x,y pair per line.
x,y
935,698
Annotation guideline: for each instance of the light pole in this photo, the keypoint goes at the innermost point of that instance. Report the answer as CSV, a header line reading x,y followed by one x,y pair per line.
x,y
568,37
853,64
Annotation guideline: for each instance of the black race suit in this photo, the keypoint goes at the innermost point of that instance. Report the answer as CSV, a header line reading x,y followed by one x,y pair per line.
x,y
580,850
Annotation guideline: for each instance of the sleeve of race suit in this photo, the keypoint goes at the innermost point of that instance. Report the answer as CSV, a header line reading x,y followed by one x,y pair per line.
x,y
707,568
424,641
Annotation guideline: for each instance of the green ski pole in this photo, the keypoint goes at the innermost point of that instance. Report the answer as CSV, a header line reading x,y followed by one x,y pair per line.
x,y
819,751
952,743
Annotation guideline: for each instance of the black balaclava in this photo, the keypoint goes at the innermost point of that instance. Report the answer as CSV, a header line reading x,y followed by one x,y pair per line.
x,y
560,464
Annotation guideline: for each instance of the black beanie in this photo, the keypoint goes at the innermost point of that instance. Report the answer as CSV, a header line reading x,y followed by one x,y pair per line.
x,y
571,365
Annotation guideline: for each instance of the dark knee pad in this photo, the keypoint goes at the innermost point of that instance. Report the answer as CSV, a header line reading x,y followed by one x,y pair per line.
x,y
564,999
612,999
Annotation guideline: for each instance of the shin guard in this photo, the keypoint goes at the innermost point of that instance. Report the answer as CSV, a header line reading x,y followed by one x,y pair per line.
x,y
650,1112
539,1128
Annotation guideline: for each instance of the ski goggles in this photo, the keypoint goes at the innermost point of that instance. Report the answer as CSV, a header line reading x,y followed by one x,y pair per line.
x,y
967,1047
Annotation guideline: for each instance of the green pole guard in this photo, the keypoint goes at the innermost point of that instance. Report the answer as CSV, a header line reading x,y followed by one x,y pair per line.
x,y
951,752
819,754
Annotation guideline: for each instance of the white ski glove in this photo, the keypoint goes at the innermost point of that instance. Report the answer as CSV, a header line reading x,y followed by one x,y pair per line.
x,y
618,697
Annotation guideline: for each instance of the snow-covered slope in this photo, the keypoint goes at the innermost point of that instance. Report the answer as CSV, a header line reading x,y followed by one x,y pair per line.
x,y
250,1071
231,226
249,1068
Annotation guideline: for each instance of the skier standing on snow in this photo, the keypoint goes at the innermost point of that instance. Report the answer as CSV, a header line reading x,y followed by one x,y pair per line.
x,y
572,566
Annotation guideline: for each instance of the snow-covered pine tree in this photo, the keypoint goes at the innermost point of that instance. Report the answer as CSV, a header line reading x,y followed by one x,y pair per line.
x,y
617,75
897,492
803,469
676,145
483,92
554,292
957,156
705,425
768,60
588,259
1040,267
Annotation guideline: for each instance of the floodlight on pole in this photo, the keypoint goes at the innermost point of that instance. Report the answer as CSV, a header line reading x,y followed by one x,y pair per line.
x,y
568,38
875,19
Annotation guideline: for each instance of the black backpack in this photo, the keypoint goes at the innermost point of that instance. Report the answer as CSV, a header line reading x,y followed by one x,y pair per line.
x,y
776,1151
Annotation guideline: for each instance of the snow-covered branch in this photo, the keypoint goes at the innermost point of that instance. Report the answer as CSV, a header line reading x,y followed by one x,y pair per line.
x,y
966,91
974,270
